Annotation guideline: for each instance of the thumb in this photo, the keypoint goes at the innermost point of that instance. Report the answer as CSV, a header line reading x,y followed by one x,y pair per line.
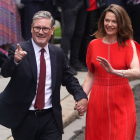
x,y
75,107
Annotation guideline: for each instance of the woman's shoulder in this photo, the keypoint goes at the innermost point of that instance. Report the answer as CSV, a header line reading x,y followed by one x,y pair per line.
x,y
132,45
96,41
94,44
129,44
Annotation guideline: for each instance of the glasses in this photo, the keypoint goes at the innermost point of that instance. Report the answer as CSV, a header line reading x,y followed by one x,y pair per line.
x,y
45,29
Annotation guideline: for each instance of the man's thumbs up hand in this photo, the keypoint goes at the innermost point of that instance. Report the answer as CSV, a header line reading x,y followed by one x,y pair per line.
x,y
19,54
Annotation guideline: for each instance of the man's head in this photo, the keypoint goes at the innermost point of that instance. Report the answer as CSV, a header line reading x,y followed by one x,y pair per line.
x,y
42,28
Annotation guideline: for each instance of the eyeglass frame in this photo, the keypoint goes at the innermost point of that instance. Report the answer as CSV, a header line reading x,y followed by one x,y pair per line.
x,y
42,29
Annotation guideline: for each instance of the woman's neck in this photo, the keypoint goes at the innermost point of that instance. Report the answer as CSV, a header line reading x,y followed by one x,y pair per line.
x,y
110,39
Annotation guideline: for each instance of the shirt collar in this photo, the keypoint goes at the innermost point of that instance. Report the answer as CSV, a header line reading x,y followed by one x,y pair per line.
x,y
37,48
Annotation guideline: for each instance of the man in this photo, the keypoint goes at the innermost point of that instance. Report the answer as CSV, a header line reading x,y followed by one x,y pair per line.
x,y
73,24
30,104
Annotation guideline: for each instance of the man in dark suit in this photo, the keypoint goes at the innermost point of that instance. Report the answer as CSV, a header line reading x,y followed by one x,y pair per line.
x,y
30,104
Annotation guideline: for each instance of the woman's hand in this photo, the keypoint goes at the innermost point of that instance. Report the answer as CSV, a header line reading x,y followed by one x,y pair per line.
x,y
105,64
81,106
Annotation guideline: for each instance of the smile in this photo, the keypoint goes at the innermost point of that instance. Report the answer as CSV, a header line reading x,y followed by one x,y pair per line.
x,y
110,29
40,37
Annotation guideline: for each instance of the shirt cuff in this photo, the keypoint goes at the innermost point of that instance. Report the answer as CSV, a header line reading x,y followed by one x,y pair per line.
x,y
16,62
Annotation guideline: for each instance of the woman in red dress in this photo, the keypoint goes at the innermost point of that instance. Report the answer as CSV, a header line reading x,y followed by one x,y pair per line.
x,y
112,58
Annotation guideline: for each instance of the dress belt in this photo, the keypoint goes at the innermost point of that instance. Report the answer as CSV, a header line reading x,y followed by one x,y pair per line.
x,y
39,112
110,81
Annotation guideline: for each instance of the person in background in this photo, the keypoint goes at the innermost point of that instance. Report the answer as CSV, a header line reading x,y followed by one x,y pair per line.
x,y
133,9
118,2
10,25
93,14
30,104
73,24
111,59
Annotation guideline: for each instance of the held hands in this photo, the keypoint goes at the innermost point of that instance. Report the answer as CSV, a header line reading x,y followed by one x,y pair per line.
x,y
105,64
81,106
19,54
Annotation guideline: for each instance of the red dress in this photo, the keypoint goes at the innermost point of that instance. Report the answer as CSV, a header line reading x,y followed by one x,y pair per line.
x,y
111,113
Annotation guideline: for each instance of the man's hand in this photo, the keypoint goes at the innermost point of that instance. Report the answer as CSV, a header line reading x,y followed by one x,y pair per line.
x,y
81,106
19,54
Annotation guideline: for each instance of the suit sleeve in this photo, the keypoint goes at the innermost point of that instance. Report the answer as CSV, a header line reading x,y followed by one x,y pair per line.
x,y
9,66
71,83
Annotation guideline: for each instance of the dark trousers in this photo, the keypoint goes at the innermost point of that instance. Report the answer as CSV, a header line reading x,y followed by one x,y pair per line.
x,y
90,28
73,24
31,8
37,127
133,11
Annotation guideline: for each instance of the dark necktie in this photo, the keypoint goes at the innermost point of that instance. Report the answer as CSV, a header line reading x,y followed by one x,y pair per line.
x,y
40,98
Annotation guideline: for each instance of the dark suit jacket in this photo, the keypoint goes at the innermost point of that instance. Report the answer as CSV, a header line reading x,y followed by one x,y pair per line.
x,y
26,1
118,2
17,97
68,3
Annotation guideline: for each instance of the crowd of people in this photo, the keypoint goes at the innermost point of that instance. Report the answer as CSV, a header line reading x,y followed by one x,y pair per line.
x,y
101,41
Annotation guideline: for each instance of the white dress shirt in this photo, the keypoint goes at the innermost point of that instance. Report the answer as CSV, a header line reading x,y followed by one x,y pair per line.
x,y
48,89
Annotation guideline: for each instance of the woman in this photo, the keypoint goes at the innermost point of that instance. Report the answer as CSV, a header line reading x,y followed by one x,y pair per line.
x,y
111,60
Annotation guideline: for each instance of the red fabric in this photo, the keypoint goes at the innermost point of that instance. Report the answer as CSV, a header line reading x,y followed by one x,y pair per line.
x,y
92,5
138,49
40,99
3,51
111,110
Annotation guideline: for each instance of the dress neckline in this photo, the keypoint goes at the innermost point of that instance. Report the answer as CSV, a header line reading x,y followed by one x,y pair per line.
x,y
108,43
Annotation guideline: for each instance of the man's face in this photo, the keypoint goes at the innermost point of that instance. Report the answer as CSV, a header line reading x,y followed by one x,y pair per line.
x,y
39,35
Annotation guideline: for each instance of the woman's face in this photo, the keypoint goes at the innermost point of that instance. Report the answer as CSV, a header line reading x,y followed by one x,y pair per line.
x,y
110,24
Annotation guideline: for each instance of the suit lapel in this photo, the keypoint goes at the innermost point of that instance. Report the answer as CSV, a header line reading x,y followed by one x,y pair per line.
x,y
32,59
53,65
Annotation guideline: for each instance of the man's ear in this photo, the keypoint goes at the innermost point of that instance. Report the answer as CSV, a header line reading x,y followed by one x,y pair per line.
x,y
52,30
31,28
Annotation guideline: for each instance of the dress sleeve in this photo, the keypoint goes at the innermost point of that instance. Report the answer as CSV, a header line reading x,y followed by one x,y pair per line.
x,y
138,50
129,54
89,58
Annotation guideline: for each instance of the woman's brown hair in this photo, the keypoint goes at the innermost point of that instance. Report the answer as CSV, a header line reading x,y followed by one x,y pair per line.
x,y
125,30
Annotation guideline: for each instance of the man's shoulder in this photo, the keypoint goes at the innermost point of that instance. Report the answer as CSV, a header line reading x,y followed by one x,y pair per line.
x,y
54,47
29,42
23,43
96,41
